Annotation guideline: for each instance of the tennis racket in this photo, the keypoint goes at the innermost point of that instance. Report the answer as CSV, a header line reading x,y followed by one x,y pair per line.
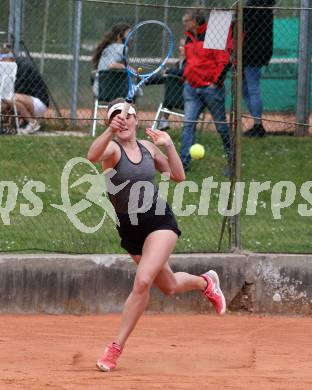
x,y
148,47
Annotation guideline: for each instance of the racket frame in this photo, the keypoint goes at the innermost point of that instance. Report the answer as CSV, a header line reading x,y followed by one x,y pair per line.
x,y
133,88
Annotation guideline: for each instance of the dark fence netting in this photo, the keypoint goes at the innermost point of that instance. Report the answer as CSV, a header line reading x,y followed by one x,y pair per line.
x,y
237,85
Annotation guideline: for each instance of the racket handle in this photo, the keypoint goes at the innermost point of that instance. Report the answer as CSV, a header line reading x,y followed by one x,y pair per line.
x,y
125,109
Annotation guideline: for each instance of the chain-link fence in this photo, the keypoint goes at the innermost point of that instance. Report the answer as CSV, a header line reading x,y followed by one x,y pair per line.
x,y
245,79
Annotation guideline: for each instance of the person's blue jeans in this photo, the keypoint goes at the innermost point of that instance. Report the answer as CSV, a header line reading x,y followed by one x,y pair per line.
x,y
252,90
195,100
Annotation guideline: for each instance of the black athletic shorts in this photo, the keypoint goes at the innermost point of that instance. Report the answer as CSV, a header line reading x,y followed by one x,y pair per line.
x,y
133,236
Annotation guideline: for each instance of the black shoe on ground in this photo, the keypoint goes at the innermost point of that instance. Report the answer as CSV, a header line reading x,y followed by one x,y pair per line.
x,y
256,131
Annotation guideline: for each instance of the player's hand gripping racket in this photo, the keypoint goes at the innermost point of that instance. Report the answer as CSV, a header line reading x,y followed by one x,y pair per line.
x,y
147,49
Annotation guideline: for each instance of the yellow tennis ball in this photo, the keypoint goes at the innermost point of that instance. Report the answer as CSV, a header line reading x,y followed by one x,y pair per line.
x,y
197,151
140,69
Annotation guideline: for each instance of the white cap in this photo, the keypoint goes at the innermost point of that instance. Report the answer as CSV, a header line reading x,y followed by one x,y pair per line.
x,y
119,106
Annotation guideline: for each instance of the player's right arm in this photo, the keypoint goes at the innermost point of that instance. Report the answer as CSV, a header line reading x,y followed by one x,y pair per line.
x,y
102,148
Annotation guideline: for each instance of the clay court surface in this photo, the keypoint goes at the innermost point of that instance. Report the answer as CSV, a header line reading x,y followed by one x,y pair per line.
x,y
195,352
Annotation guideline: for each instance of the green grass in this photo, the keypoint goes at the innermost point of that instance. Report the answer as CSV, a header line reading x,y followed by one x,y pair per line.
x,y
269,159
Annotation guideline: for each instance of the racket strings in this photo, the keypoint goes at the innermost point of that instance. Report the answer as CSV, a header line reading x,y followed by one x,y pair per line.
x,y
148,48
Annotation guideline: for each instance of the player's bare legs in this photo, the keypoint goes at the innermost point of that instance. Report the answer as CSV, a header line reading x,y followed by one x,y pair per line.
x,y
156,250
153,267
170,282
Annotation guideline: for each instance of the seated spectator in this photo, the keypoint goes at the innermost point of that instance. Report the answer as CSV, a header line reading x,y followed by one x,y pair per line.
x,y
31,94
177,70
109,53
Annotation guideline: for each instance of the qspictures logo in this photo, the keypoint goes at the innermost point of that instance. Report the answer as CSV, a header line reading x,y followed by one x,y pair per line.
x,y
96,194
282,195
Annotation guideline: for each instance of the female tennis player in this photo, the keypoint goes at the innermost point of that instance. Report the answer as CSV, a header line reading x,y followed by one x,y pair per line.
x,y
151,236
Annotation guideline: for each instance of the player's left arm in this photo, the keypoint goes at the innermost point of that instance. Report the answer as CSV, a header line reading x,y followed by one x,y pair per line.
x,y
170,160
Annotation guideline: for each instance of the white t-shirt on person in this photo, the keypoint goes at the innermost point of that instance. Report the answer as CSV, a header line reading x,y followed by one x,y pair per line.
x,y
112,53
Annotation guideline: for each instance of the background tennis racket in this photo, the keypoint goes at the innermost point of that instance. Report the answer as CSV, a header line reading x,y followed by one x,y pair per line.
x,y
147,49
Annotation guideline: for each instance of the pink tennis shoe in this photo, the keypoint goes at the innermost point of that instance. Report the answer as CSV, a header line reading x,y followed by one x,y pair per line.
x,y
213,291
109,360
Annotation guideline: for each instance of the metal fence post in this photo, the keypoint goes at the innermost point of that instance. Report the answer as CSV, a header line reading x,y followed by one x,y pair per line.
x,y
11,22
304,69
17,25
235,239
75,67
44,35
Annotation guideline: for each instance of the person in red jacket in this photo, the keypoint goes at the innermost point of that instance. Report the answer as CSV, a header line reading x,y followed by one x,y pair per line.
x,y
204,74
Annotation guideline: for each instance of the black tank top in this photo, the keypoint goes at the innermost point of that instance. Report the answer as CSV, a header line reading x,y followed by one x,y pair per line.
x,y
135,183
